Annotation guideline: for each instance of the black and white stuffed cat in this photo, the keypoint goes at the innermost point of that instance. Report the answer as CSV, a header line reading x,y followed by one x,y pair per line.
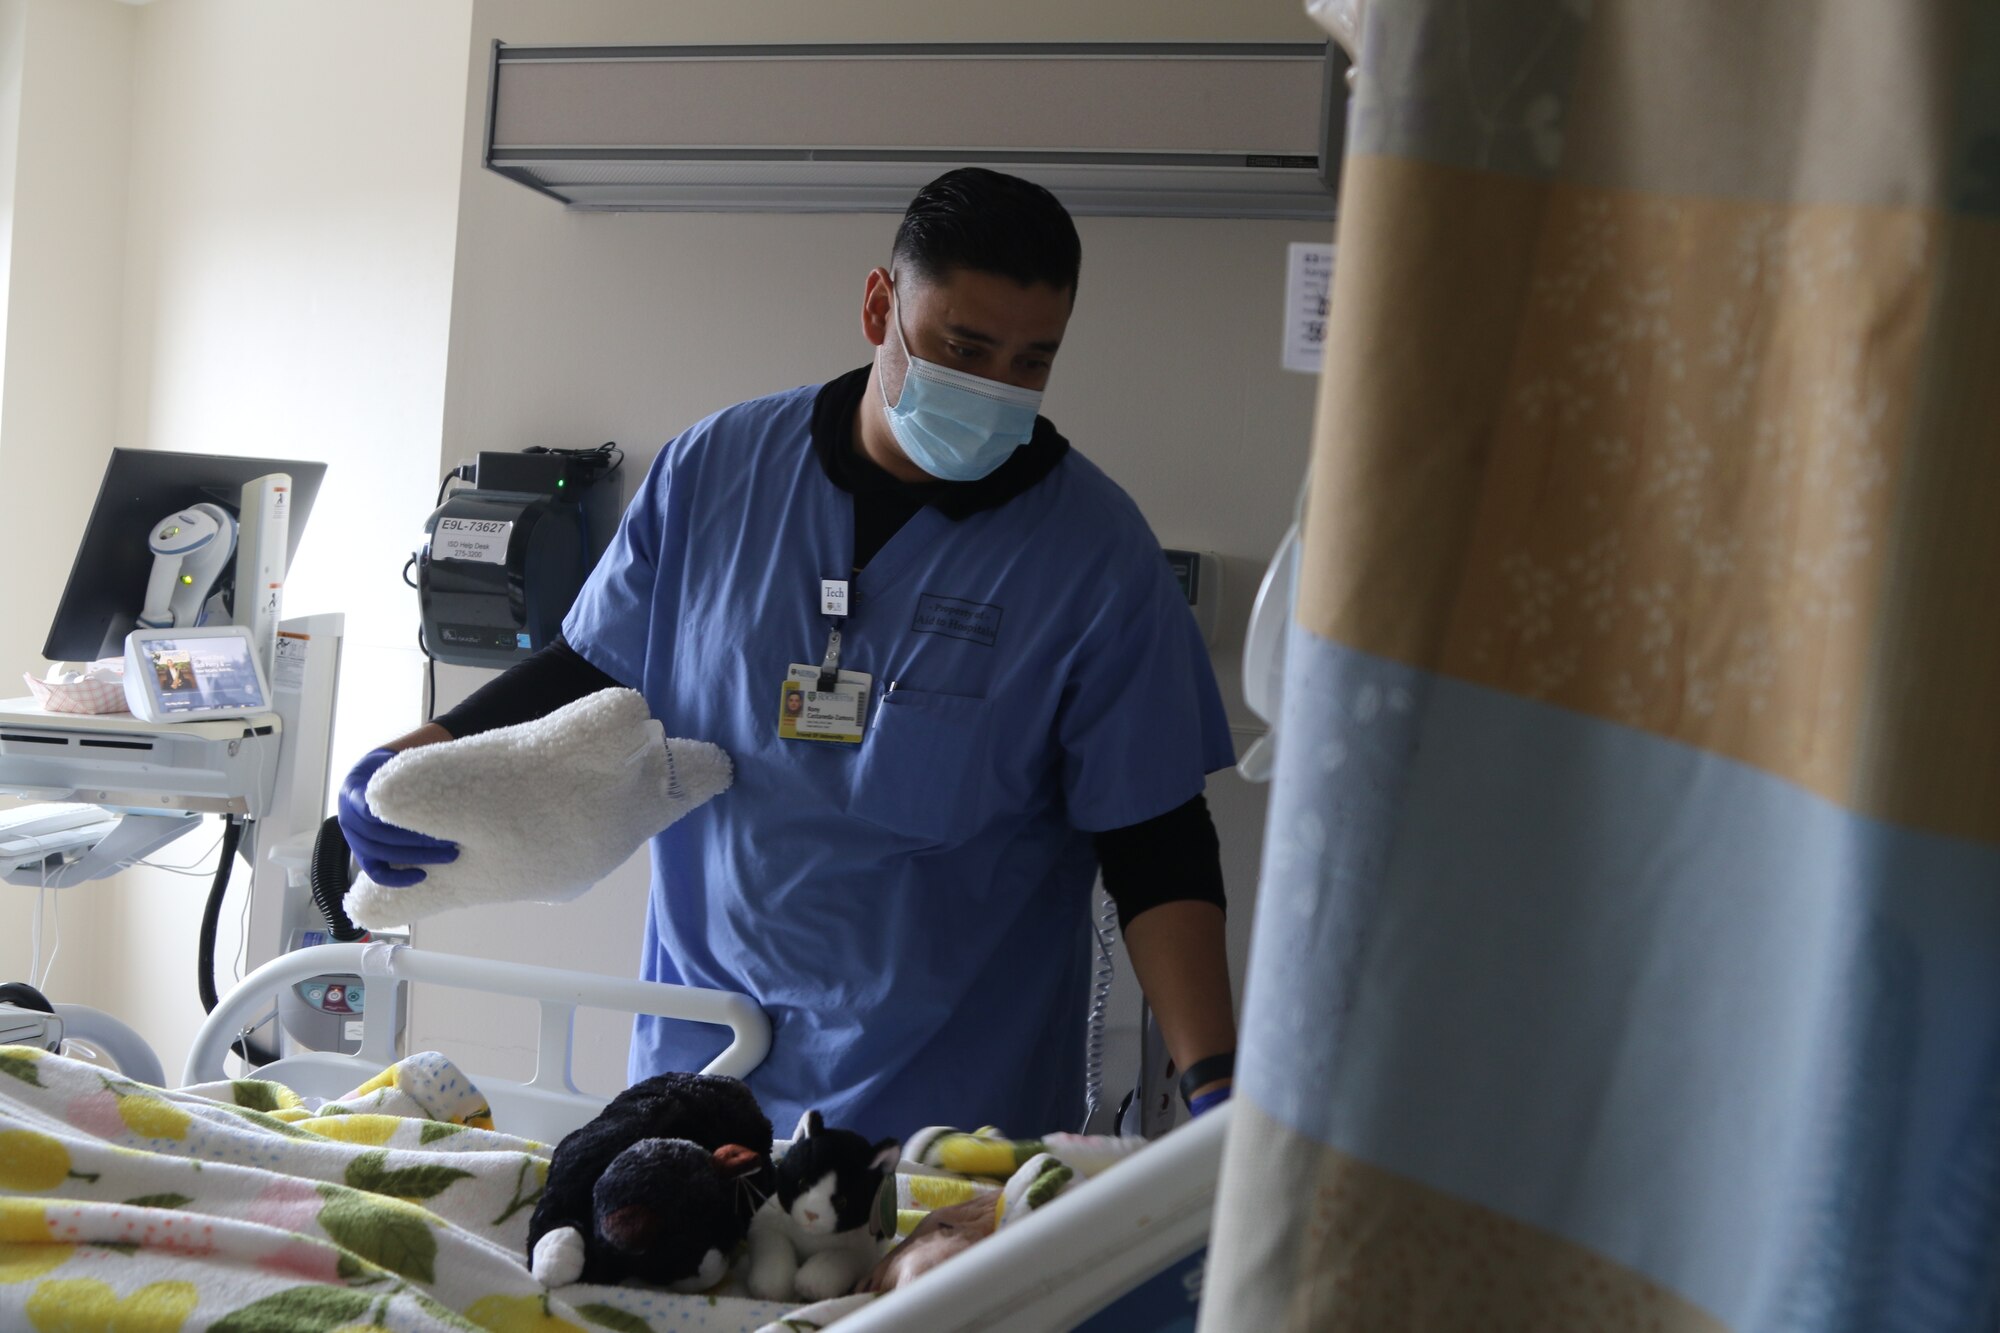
x,y
660,1187
812,1240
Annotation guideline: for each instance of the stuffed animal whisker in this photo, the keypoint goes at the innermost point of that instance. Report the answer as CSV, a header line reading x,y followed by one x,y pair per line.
x,y
749,1188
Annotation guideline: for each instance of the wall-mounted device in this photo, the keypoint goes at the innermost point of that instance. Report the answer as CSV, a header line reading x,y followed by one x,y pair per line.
x,y
503,561
1150,129
194,675
1200,575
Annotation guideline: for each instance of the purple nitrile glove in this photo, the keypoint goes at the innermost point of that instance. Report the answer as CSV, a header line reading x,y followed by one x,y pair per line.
x,y
388,853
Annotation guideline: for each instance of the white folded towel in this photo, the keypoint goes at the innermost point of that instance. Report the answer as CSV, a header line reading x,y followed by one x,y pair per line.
x,y
540,811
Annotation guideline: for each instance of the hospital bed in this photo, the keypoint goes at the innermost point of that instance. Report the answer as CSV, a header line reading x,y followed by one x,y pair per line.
x,y
1122,1253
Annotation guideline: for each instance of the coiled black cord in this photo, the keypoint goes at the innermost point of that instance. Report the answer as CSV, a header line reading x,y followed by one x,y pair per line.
x,y
330,881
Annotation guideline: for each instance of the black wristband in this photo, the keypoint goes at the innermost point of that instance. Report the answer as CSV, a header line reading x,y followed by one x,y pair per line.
x,y
1207,1070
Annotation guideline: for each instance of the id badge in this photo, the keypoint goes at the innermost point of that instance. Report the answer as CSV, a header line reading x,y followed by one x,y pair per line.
x,y
808,713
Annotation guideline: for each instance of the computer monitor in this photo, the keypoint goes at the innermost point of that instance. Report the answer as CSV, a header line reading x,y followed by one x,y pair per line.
x,y
107,583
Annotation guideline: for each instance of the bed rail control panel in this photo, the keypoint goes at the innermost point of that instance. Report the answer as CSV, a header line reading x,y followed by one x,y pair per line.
x,y
330,1011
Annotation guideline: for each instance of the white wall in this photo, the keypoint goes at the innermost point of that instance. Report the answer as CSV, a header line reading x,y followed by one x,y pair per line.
x,y
270,274
571,329
65,141
13,49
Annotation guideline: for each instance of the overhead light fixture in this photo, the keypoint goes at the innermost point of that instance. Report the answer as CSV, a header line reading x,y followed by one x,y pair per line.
x,y
1184,129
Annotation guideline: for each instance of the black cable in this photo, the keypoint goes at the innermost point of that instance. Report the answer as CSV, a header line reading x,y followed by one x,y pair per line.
x,y
430,663
456,474
253,1053
463,472
330,881
211,914
607,456
431,670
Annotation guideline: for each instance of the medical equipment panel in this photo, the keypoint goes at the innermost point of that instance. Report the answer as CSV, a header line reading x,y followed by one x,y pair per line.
x,y
330,1011
108,581
116,759
183,675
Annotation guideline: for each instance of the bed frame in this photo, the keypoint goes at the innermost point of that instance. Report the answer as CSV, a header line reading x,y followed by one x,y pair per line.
x,y
544,1108
1124,1255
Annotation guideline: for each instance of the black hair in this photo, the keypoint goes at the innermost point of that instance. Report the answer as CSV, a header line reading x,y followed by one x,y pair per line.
x,y
983,220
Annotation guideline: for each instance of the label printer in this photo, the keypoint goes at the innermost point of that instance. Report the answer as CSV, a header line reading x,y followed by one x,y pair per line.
x,y
503,560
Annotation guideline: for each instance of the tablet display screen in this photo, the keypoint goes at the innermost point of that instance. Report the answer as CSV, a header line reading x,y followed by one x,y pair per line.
x,y
201,674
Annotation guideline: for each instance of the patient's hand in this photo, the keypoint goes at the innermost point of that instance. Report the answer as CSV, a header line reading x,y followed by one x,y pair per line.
x,y
942,1234
825,1276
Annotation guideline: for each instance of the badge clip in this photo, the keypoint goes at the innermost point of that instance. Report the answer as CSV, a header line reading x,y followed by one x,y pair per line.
x,y
829,666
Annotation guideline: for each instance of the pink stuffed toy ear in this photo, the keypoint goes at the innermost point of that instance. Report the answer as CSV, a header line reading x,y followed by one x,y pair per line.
x,y
734,1159
632,1228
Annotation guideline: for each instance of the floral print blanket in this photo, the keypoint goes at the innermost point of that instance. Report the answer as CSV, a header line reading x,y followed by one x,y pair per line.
x,y
234,1208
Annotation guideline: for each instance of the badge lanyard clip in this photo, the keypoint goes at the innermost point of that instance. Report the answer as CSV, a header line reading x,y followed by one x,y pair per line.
x,y
829,666
832,604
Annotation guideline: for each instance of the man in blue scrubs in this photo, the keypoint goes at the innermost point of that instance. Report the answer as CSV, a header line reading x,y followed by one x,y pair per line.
x,y
956,677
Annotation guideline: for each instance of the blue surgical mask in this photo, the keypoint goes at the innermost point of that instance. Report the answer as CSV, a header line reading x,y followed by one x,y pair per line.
x,y
955,426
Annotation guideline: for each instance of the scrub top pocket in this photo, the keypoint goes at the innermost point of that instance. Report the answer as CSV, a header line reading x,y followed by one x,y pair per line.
x,y
923,765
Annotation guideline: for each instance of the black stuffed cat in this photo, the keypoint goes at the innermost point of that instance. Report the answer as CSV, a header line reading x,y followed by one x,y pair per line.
x,y
812,1239
659,1187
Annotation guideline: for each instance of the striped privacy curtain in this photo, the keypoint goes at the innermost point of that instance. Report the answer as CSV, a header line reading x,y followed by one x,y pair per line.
x,y
1628,953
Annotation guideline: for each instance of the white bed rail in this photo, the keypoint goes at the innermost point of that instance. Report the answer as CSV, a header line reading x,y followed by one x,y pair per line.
x,y
125,1047
1068,1265
558,991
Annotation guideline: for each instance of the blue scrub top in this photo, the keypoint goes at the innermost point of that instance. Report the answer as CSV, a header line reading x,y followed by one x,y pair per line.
x,y
911,911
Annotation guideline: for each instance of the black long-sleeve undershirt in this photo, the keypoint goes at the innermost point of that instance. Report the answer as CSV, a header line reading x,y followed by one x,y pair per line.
x,y
534,687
